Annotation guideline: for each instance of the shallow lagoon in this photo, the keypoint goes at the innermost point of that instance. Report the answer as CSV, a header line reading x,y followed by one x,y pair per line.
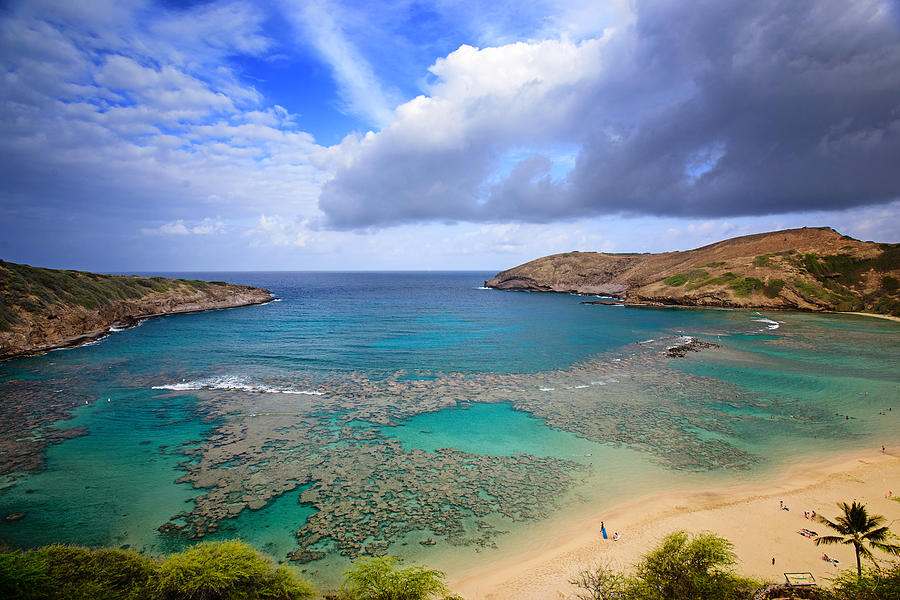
x,y
334,402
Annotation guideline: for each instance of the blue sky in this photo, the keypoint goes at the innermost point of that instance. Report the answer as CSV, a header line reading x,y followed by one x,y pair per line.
x,y
302,135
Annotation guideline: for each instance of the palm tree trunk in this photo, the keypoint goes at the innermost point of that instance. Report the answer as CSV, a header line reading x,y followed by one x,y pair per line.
x,y
858,565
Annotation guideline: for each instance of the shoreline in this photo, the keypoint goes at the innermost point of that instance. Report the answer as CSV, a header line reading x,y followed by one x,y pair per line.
x,y
635,303
748,515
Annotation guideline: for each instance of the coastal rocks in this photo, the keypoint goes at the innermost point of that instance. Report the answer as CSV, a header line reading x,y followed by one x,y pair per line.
x,y
690,344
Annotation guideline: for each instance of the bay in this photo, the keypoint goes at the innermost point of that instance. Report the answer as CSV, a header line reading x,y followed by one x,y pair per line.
x,y
373,404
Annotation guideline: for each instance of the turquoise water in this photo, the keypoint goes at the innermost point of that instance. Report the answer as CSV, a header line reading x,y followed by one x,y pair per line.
x,y
331,409
491,429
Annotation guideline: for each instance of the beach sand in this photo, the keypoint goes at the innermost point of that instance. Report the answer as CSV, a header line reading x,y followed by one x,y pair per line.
x,y
748,516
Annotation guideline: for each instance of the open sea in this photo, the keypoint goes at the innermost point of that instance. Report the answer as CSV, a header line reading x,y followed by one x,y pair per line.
x,y
420,415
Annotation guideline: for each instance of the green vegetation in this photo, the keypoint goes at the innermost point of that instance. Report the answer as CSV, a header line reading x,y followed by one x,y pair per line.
x,y
762,259
717,263
773,287
675,280
858,528
889,284
382,578
207,571
870,584
746,286
685,567
36,290
681,278
846,269
681,567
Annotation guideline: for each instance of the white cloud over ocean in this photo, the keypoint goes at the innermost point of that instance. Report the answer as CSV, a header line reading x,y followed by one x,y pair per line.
x,y
474,134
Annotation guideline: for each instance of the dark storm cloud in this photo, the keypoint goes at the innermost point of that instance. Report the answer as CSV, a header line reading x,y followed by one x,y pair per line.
x,y
699,109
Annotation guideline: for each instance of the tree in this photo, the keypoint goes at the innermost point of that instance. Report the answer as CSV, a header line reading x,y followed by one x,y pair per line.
x,y
381,578
685,568
227,571
874,584
856,527
600,583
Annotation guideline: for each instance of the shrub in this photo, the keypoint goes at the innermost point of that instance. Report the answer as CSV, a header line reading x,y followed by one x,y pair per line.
x,y
773,287
685,567
98,574
211,571
227,571
676,280
680,568
381,578
600,583
889,284
746,286
24,576
872,584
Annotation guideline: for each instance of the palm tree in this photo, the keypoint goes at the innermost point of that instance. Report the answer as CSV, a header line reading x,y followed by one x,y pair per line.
x,y
856,527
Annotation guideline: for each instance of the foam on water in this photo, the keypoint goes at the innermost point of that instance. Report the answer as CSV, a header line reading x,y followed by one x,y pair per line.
x,y
770,324
233,383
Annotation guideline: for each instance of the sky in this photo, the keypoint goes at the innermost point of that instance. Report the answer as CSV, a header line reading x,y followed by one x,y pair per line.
x,y
149,135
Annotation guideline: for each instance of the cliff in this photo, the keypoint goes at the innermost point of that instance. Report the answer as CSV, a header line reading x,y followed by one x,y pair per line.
x,y
42,309
813,269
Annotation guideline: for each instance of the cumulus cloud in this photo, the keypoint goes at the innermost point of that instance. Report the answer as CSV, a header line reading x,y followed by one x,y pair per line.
x,y
133,111
206,227
723,108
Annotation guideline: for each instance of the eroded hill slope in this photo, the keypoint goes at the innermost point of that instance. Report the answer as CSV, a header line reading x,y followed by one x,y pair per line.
x,y
812,269
41,309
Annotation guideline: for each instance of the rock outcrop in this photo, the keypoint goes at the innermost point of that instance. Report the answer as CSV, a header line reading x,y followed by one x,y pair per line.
x,y
43,309
814,269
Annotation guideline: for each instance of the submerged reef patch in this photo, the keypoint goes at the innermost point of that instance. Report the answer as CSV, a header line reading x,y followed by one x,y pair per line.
x,y
368,491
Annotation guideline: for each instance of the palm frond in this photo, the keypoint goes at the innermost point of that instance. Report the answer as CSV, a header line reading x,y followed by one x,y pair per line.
x,y
889,548
833,539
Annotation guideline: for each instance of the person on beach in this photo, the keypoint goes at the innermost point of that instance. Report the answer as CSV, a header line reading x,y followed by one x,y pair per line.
x,y
616,537
603,530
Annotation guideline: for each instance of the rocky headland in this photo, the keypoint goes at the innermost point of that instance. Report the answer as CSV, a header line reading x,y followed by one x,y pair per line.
x,y
810,269
42,309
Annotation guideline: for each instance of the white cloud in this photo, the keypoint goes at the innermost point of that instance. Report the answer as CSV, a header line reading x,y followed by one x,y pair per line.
x,y
207,226
120,111
362,92
744,109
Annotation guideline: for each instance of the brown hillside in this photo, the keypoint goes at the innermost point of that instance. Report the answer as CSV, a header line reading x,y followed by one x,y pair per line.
x,y
803,269
42,309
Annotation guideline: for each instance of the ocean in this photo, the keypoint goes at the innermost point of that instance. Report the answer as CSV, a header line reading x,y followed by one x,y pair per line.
x,y
421,415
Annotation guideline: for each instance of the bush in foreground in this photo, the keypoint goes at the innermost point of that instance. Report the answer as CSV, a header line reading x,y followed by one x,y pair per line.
x,y
383,578
870,584
680,568
227,571
208,571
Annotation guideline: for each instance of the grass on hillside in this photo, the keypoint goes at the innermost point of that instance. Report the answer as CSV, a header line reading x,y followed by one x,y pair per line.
x,y
36,289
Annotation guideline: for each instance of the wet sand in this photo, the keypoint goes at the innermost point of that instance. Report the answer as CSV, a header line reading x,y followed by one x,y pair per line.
x,y
747,515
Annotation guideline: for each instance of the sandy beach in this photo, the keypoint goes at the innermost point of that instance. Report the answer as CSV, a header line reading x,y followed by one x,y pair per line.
x,y
748,516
